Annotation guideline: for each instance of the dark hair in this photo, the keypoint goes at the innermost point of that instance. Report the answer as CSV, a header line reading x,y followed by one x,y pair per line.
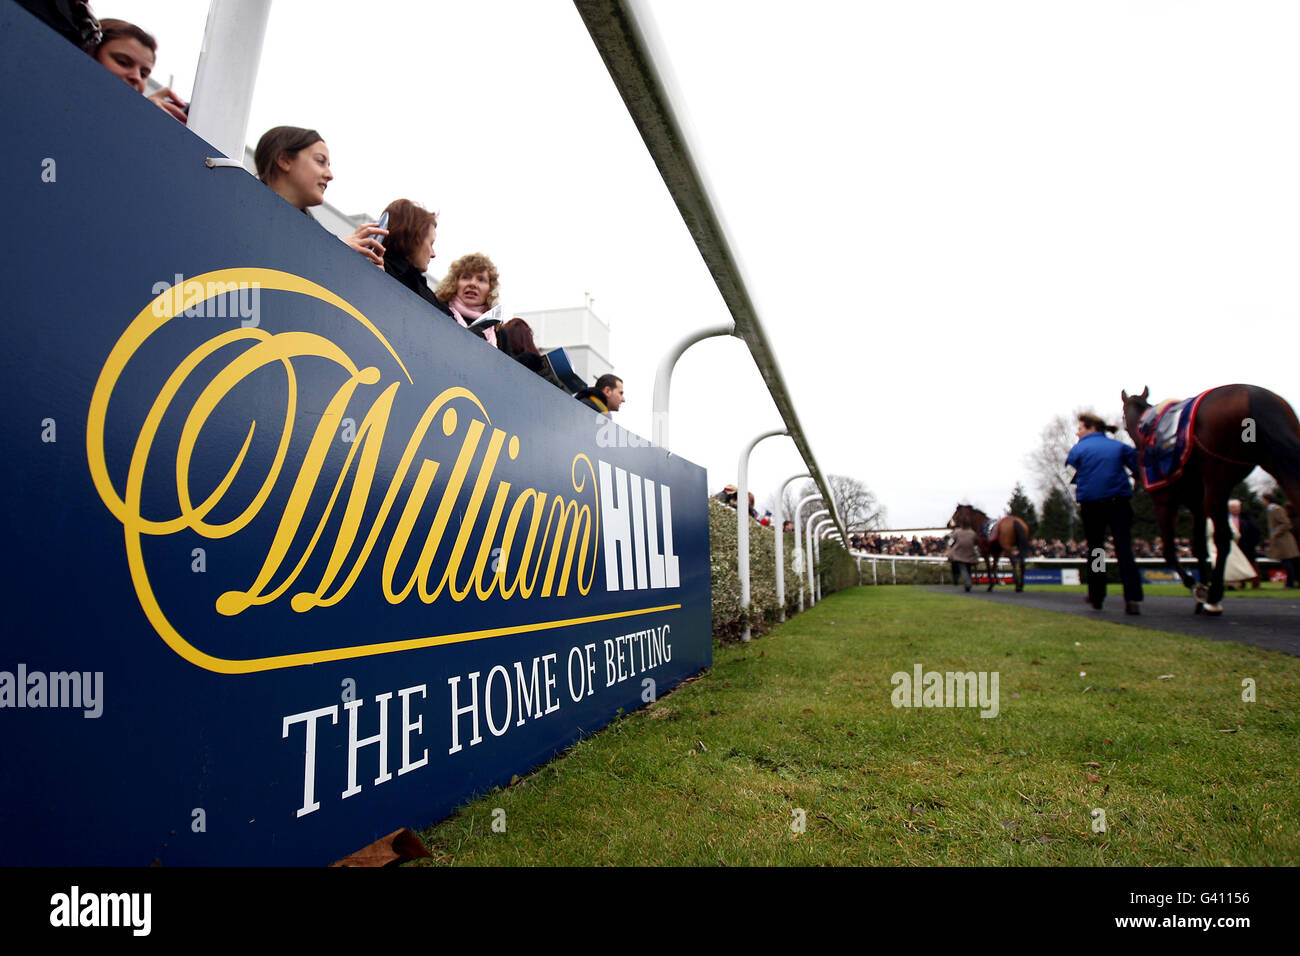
x,y
281,141
608,380
111,29
407,223
516,336
1096,423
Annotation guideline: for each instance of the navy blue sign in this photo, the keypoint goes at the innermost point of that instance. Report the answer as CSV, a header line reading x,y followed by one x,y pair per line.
x,y
294,561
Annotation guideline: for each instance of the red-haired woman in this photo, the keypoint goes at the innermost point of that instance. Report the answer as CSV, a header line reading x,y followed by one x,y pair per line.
x,y
408,250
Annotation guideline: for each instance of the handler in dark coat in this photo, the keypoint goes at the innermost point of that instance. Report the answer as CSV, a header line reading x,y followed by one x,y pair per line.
x,y
1103,491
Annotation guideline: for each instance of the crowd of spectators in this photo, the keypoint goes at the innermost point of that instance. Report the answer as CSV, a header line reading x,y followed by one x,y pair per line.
x,y
936,546
294,163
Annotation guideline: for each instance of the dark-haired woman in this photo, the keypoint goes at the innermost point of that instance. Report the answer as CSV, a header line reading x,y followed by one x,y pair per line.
x,y
295,163
129,53
408,250
1101,469
515,338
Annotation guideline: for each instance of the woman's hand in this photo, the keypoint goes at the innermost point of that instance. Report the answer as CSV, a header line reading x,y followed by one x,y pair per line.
x,y
366,241
170,103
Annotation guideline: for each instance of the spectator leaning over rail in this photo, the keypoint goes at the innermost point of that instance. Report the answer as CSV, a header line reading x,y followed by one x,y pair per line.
x,y
606,396
408,249
1103,491
295,163
515,338
129,53
468,290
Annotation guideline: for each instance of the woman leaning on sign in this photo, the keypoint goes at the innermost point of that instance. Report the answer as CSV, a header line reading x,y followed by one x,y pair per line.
x,y
295,163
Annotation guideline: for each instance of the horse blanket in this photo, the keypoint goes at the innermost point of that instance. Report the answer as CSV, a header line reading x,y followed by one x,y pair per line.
x,y
1165,440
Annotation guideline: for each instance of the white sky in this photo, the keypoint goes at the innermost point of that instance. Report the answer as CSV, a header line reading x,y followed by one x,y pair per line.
x,y
1087,196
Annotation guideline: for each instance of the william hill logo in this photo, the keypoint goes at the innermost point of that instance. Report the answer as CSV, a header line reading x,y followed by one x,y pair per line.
x,y
447,521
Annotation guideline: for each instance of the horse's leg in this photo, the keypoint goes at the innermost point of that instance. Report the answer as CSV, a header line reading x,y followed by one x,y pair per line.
x,y
1166,509
991,562
1216,505
1201,551
1022,548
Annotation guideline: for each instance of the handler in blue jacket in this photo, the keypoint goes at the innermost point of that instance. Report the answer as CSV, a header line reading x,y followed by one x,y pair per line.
x,y
1101,466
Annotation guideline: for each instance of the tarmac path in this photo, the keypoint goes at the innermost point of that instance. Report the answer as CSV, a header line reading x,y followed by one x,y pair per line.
x,y
1270,623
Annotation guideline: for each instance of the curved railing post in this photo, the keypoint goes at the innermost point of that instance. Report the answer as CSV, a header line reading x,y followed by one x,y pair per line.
x,y
823,530
742,523
798,536
808,548
664,379
779,545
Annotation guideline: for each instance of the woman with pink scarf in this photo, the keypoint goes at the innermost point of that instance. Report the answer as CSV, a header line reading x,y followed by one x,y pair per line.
x,y
468,290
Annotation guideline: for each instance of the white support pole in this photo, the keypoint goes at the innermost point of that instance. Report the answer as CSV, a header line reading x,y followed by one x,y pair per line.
x,y
742,523
778,521
227,73
808,548
823,526
664,379
798,544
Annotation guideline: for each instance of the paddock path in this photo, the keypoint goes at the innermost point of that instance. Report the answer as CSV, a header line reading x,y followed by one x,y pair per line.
x,y
1273,624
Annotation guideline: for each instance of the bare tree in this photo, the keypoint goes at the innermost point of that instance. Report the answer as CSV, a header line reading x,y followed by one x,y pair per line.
x,y
854,501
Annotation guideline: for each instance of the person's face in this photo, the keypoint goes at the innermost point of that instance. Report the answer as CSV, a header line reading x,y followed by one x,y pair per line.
x,y
127,58
473,288
1082,430
303,178
614,396
424,250
1234,507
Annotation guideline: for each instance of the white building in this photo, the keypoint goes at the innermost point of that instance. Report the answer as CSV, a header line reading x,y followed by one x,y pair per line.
x,y
580,332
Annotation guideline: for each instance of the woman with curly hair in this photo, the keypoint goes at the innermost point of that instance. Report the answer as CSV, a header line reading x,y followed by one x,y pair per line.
x,y
295,163
469,289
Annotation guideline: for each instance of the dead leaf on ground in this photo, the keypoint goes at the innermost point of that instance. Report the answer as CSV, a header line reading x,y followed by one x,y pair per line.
x,y
1165,677
1232,730
807,710
1092,777
1091,763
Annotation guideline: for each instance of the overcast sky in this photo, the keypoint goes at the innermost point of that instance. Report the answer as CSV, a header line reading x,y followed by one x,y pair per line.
x,y
958,218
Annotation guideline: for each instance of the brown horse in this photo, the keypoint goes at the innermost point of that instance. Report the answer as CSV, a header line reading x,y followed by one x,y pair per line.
x,y
1236,428
1010,536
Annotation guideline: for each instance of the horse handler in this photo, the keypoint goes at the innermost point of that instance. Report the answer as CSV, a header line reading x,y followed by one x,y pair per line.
x,y
1103,491
962,554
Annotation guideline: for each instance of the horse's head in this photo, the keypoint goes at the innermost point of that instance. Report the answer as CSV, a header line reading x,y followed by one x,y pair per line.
x,y
961,517
1135,407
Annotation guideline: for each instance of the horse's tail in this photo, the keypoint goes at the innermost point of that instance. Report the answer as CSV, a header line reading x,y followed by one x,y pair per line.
x,y
1278,432
1022,538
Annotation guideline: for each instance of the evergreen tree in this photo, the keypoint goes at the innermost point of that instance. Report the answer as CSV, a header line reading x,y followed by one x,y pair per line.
x,y
1022,507
1058,517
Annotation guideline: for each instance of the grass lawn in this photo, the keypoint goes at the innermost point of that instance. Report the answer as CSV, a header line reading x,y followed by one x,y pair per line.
x,y
799,725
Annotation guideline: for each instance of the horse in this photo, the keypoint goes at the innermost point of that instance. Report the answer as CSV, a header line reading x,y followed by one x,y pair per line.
x,y
1235,429
1010,535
